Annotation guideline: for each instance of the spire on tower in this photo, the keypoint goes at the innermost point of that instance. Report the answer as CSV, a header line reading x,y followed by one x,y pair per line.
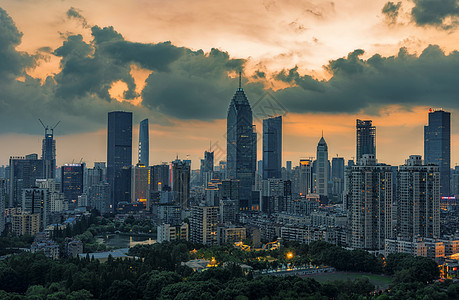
x,y
240,80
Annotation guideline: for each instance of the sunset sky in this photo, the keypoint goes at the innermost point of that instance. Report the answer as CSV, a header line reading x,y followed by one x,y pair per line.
x,y
321,64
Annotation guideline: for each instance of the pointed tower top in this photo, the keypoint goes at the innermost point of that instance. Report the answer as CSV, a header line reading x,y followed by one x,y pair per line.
x,y
322,133
240,80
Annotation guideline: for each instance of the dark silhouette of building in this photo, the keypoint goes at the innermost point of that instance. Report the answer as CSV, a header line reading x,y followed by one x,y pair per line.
x,y
23,173
144,143
272,147
241,147
366,138
160,178
437,146
119,156
48,154
181,182
207,168
72,182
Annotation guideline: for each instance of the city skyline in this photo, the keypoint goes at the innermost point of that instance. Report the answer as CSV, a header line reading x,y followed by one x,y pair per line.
x,y
303,75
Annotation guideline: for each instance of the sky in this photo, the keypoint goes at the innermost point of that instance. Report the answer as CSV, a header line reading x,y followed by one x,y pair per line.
x,y
319,64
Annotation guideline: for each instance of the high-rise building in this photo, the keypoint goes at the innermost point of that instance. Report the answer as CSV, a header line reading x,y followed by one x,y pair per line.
x,y
36,201
370,200
207,170
72,182
99,197
57,201
304,181
141,185
23,173
203,227
366,139
272,147
437,146
418,207
2,208
144,143
160,177
119,156
337,175
181,182
322,168
241,147
49,153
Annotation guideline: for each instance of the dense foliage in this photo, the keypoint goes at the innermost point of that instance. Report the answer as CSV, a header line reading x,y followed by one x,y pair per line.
x,y
157,273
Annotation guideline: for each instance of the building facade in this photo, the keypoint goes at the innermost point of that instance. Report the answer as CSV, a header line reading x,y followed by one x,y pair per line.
x,y
272,147
366,138
437,146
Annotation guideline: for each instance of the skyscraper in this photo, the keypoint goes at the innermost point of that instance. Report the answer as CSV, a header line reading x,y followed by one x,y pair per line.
x,y
23,173
72,182
207,169
241,146
305,177
418,207
144,143
160,177
181,182
437,146
370,200
49,153
119,156
337,175
366,139
322,168
272,147
141,185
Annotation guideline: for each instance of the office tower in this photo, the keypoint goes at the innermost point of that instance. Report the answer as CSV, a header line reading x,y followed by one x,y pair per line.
x,y
207,170
272,147
72,182
275,194
370,199
181,182
141,185
455,181
288,164
322,168
437,146
144,143
36,201
203,227
119,156
229,189
418,200
241,147
366,139
23,173
49,152
304,179
160,177
337,175
99,197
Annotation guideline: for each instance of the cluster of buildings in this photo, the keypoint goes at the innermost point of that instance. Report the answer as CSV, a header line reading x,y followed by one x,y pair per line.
x,y
361,204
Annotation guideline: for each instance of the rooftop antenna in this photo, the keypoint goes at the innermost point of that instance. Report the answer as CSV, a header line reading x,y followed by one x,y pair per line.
x,y
322,133
240,79
210,146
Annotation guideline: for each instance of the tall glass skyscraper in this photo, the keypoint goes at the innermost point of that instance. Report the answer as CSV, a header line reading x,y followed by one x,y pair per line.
x,y
241,147
272,147
322,168
49,154
119,156
144,143
366,139
437,146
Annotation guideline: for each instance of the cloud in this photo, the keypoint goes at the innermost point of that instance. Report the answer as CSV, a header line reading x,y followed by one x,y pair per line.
x,y
196,87
391,10
74,13
359,85
439,13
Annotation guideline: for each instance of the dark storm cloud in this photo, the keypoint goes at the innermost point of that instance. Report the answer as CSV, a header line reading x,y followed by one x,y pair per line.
x,y
390,10
12,62
435,12
408,80
196,87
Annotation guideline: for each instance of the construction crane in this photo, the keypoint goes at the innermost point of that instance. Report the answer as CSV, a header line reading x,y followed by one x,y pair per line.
x,y
47,128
